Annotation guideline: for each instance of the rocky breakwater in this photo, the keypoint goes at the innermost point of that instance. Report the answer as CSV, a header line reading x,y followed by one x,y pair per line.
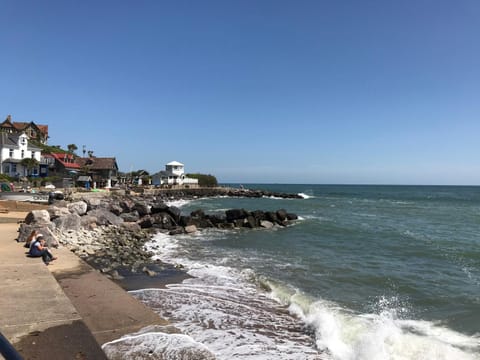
x,y
195,193
110,232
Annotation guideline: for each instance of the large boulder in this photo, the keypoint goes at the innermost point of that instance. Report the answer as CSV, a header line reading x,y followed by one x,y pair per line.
x,y
93,203
291,216
131,226
266,224
236,214
175,213
89,222
78,207
282,214
130,216
190,229
216,219
68,222
250,222
142,208
127,205
56,212
115,209
159,207
164,221
145,222
105,217
199,213
272,217
25,230
37,217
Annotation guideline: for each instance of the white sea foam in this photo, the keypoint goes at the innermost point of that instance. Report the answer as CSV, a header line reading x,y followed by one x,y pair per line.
x,y
223,309
348,336
305,196
178,203
152,343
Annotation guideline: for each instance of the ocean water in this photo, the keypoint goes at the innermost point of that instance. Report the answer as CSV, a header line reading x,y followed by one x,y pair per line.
x,y
367,272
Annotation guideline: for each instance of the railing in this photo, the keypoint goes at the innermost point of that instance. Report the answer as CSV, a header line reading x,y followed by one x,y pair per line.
x,y
7,350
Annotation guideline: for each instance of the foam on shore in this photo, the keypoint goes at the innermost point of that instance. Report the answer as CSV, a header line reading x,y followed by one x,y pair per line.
x,y
262,319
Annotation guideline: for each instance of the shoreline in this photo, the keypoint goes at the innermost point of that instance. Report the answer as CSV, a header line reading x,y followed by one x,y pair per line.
x,y
81,308
102,301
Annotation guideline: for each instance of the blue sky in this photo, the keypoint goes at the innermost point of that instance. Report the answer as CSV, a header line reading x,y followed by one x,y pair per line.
x,y
366,92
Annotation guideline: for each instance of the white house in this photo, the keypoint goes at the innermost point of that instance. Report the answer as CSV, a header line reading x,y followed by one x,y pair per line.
x,y
174,174
13,149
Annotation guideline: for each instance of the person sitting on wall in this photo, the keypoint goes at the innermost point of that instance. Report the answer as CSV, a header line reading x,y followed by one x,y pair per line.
x,y
31,238
39,248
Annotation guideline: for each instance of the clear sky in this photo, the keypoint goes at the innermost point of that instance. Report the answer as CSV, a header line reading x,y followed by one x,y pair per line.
x,y
323,91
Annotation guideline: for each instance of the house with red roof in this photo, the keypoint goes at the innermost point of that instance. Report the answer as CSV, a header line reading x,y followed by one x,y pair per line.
x,y
64,164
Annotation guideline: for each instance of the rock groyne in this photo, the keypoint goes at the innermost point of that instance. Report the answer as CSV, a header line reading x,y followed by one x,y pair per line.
x,y
110,231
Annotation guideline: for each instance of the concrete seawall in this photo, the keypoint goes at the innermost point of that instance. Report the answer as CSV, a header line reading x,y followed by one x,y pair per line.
x,y
62,311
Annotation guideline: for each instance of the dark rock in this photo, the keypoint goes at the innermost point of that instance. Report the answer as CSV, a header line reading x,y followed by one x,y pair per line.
x,y
235,214
131,226
185,221
130,216
271,216
175,212
158,207
281,214
176,231
142,208
199,213
250,222
165,220
127,205
116,209
145,222
238,223
216,219
291,216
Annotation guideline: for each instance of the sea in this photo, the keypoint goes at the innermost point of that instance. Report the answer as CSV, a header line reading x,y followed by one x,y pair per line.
x,y
366,272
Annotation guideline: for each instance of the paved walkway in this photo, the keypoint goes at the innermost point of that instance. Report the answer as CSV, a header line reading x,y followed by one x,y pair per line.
x,y
64,310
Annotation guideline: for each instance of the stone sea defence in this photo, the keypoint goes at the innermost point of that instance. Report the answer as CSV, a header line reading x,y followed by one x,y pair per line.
x,y
110,231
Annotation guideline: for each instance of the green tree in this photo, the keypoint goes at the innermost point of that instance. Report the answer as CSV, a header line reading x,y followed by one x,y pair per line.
x,y
204,180
29,163
72,148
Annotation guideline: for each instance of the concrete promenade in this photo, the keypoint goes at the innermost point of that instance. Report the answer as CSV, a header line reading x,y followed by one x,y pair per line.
x,y
62,311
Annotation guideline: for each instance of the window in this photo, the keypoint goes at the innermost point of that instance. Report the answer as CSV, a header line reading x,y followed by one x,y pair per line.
x,y
10,153
14,168
33,154
23,154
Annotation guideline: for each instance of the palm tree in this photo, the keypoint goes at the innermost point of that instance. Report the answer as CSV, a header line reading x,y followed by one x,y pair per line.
x,y
72,148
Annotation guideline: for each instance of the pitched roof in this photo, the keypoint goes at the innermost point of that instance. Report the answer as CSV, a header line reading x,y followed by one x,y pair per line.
x,y
8,139
67,160
11,140
7,123
96,163
175,163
